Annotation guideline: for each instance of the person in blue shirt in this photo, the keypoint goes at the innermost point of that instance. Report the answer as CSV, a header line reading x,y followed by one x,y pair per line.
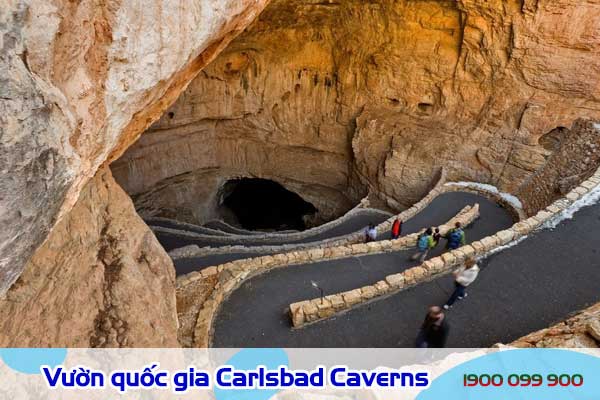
x,y
455,237
424,244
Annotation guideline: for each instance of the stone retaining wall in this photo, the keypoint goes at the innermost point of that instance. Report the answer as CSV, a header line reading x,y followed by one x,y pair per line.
x,y
233,274
582,330
575,160
358,237
308,311
184,226
353,238
241,239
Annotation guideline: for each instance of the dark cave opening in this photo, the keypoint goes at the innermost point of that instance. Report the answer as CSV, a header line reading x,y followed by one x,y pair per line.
x,y
261,204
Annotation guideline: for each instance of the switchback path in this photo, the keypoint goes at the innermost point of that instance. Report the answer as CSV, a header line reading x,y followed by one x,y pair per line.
x,y
525,288
225,227
441,209
173,224
256,314
353,224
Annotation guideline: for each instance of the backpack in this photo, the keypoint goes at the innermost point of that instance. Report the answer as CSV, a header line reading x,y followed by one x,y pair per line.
x,y
423,242
455,238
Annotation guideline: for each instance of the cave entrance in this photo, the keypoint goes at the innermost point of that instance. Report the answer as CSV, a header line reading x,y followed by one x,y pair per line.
x,y
261,204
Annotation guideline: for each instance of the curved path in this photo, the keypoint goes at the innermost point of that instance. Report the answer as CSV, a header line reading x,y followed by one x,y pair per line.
x,y
353,224
256,314
225,227
441,209
174,224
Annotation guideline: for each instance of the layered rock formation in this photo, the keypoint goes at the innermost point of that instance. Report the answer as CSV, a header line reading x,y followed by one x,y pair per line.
x,y
79,81
333,98
330,98
100,279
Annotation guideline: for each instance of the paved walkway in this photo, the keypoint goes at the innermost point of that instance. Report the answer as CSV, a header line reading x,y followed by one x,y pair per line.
x,y
354,223
256,314
172,224
441,209
225,227
533,285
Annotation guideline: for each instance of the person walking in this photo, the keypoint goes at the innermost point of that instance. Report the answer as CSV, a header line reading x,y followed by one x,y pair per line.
x,y
396,229
434,330
463,277
370,233
424,244
455,237
436,237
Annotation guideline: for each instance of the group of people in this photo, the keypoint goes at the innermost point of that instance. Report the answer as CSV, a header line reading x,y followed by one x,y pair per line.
x,y
434,330
429,239
371,231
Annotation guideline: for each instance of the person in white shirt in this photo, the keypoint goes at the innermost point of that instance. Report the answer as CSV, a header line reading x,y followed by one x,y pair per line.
x,y
371,233
463,277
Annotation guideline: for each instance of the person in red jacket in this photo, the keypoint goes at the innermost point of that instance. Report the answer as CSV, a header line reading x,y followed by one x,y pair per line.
x,y
396,229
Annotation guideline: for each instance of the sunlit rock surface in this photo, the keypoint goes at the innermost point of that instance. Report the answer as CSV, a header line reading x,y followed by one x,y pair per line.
x,y
329,98
332,98
79,82
100,279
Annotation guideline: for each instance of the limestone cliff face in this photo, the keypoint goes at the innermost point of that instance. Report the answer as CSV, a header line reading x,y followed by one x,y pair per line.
x,y
333,98
100,279
575,159
79,81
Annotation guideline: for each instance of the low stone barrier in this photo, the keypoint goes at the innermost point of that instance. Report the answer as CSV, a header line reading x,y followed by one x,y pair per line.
x,y
466,216
309,311
579,331
154,223
234,230
573,161
493,194
232,274
240,240
405,215
353,238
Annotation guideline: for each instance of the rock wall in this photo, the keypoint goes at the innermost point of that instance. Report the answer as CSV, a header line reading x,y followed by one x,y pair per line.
x,y
576,158
353,95
100,279
79,81
579,331
179,172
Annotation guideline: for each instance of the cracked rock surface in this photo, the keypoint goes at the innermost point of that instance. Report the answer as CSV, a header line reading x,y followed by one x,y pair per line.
x,y
101,279
332,98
